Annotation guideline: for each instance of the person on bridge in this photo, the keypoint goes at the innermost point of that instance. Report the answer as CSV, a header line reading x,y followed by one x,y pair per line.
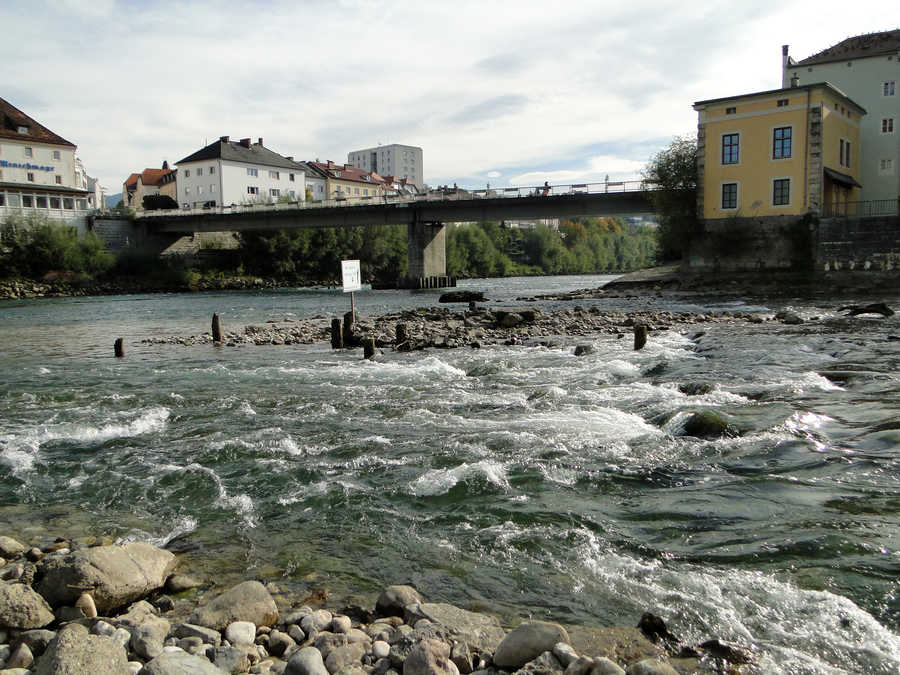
x,y
546,188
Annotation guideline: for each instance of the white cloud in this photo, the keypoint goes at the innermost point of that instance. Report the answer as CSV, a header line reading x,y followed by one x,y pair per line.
x,y
505,87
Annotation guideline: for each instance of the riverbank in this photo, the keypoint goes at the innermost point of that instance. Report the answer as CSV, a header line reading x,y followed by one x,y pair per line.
x,y
98,607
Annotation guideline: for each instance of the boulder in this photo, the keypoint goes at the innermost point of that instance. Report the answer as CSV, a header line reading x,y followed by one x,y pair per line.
x,y
74,652
708,424
113,575
241,633
248,601
543,665
651,667
526,642
394,599
147,639
479,631
174,661
22,608
10,548
232,659
430,657
306,661
462,296
345,657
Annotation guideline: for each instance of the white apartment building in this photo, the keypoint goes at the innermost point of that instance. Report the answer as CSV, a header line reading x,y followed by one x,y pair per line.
x,y
226,172
867,69
39,172
397,161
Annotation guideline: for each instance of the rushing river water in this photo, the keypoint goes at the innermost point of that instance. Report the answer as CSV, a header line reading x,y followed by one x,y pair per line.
x,y
518,480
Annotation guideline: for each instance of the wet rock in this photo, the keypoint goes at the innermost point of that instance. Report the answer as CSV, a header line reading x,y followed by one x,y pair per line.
x,y
479,631
248,601
708,424
22,608
430,657
73,651
462,296
114,575
696,388
728,652
788,317
655,628
526,642
178,583
581,350
394,599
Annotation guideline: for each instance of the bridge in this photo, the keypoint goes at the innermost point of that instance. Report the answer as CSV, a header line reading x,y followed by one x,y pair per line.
x,y
424,215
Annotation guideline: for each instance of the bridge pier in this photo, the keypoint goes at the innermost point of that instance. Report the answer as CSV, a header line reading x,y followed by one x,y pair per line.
x,y
426,252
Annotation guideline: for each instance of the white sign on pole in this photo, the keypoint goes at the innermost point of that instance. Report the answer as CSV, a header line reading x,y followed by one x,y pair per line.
x,y
351,276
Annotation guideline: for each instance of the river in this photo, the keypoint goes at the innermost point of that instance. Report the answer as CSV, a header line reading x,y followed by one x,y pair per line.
x,y
512,479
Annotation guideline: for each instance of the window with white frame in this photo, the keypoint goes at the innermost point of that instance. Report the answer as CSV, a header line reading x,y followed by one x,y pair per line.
x,y
252,189
844,153
886,167
187,173
212,187
888,88
274,192
887,125
56,154
781,143
729,195
253,172
199,170
274,175
781,192
29,152
731,148
212,170
59,180
30,177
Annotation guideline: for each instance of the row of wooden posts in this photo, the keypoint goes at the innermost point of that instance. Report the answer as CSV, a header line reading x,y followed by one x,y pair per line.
x,y
342,336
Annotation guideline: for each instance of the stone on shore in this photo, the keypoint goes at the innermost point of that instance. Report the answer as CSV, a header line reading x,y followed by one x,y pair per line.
x,y
174,661
75,652
394,599
240,633
22,608
10,548
248,601
147,639
430,657
113,575
306,661
21,657
650,667
479,631
526,642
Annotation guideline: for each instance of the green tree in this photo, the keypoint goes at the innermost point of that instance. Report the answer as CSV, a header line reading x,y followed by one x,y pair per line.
x,y
672,174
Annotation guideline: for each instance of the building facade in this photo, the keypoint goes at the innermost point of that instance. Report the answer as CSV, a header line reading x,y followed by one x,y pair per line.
x,y
39,172
785,152
400,161
343,181
867,69
149,182
227,173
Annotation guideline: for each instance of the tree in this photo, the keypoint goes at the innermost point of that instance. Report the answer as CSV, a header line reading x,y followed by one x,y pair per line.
x,y
673,175
158,202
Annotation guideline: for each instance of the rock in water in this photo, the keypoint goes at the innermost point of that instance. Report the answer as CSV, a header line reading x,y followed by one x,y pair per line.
x,y
526,642
248,601
114,575
22,608
73,652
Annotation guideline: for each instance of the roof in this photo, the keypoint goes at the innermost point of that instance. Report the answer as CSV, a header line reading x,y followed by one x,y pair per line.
x,y
245,152
845,179
347,172
11,119
149,177
774,92
858,47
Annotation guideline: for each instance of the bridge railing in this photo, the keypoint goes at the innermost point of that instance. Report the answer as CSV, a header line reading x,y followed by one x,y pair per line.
x,y
446,194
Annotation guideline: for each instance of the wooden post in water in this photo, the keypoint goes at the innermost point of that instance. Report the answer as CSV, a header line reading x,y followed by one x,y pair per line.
x,y
216,328
337,338
640,336
402,333
119,348
348,329
369,347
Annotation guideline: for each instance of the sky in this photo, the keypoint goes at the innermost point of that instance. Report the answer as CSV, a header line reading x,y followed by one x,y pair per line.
x,y
495,92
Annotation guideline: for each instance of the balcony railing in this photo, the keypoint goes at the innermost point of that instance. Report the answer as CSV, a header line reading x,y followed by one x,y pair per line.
x,y
862,209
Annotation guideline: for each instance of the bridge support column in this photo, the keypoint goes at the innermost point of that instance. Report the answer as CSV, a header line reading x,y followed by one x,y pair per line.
x,y
426,247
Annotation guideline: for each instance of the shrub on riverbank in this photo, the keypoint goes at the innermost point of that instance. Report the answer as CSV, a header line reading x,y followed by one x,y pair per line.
x,y
32,246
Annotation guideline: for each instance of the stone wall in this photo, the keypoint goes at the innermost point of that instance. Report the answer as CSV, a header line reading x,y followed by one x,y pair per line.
x,y
858,244
782,243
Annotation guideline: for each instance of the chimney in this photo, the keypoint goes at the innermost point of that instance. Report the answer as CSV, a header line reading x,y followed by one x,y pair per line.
x,y
165,165
784,50
223,139
245,142
260,142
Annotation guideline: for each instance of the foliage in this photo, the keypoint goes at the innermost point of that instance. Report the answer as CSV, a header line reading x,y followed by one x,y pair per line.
x,y
673,173
31,246
158,202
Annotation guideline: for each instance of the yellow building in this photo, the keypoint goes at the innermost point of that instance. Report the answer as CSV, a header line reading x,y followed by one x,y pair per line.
x,y
785,152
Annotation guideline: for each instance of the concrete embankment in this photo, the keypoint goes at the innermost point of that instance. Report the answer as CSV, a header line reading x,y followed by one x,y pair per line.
x,y
70,606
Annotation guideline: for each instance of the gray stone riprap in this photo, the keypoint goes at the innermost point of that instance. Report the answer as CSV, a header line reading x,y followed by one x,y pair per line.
x,y
242,630
444,328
